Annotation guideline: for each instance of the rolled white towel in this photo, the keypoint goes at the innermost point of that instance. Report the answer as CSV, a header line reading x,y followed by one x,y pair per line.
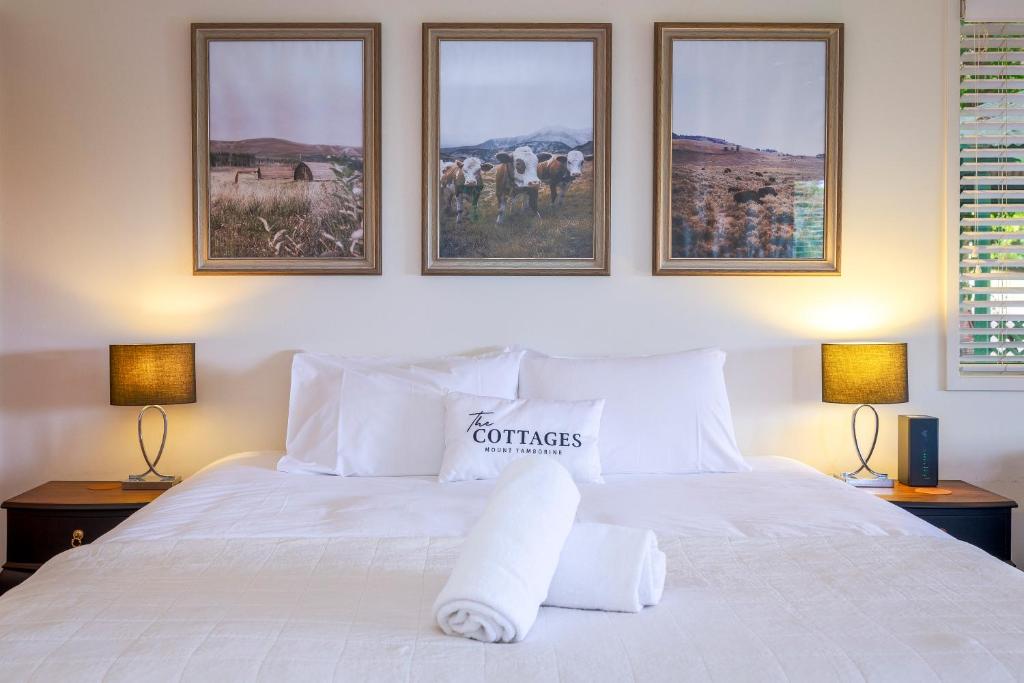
x,y
507,561
608,567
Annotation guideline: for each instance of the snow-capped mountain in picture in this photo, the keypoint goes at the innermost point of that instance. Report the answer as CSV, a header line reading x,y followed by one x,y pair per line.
x,y
553,139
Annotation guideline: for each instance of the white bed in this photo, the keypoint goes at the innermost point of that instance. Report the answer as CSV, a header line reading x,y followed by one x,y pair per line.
x,y
246,573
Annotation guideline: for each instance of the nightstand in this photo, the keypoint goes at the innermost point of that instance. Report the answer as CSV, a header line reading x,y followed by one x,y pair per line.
x,y
59,515
969,513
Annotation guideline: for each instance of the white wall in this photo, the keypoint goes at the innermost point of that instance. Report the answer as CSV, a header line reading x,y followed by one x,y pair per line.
x,y
95,227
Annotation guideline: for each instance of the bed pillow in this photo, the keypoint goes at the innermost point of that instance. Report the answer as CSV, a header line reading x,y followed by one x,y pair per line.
x,y
664,414
314,407
482,435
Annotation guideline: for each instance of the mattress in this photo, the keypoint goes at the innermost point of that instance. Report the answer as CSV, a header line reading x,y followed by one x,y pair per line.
x,y
245,573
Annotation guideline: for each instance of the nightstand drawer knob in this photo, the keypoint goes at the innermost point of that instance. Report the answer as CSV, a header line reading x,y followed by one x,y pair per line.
x,y
77,536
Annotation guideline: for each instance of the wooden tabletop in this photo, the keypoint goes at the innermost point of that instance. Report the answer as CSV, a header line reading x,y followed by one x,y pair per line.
x,y
77,495
962,495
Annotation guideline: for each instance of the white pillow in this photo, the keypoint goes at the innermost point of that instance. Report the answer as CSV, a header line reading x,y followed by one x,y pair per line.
x,y
314,407
663,414
389,426
483,434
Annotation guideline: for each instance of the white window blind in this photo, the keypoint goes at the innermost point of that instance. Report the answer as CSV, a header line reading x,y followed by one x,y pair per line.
x,y
992,10
990,320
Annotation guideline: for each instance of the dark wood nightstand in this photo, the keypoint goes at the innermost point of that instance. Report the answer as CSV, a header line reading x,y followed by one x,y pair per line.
x,y
59,515
969,513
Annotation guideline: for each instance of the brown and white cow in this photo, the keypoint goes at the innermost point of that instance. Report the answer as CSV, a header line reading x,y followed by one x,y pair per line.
x,y
461,181
517,175
559,172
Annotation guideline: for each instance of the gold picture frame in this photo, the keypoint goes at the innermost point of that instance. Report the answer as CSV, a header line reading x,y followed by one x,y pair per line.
x,y
283,205
761,217
560,228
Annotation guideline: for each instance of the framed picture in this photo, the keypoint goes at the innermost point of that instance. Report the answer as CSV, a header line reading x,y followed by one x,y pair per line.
x,y
747,145
516,130
286,148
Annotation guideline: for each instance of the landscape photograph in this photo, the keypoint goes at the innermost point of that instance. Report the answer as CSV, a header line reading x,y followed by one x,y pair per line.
x,y
748,148
286,158
515,149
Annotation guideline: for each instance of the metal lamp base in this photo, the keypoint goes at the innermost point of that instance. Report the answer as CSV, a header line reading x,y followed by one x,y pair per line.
x,y
151,479
871,478
878,481
160,483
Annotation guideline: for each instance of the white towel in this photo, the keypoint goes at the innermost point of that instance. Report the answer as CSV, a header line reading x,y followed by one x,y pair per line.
x,y
509,557
608,567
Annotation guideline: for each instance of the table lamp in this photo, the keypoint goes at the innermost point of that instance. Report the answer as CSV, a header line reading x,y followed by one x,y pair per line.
x,y
152,375
864,374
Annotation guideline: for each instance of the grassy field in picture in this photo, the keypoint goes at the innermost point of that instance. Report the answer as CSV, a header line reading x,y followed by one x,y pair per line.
x,y
565,230
730,201
283,218
274,198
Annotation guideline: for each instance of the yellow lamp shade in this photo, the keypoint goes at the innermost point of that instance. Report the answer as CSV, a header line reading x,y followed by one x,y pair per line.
x,y
864,373
152,374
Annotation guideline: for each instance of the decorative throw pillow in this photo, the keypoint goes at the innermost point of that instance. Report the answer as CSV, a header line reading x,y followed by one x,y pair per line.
x,y
483,434
663,414
314,407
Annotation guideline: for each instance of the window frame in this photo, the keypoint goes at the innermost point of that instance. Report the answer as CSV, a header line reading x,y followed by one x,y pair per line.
x,y
955,380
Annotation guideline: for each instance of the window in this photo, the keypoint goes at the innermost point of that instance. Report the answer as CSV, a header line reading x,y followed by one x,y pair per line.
x,y
986,345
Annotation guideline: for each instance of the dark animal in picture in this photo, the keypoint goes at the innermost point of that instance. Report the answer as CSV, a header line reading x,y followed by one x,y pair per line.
x,y
462,181
745,196
517,175
559,172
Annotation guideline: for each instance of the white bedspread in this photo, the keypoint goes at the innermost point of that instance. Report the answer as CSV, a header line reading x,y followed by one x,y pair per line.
x,y
244,497
243,573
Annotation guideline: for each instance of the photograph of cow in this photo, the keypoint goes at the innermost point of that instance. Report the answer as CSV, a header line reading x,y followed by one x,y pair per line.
x,y
516,149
